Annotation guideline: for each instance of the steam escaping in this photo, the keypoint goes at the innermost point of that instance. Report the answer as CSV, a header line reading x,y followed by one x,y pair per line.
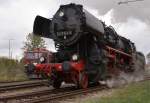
x,y
126,78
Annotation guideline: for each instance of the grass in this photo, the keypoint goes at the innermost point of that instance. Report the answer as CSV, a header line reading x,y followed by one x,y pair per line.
x,y
11,70
133,93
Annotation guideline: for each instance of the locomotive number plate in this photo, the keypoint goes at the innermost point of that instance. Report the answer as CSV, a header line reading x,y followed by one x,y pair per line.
x,y
64,33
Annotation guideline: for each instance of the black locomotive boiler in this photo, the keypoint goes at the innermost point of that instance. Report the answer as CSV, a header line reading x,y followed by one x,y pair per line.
x,y
87,50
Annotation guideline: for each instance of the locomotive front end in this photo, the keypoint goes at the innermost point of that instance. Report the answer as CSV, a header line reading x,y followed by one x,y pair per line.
x,y
65,28
67,24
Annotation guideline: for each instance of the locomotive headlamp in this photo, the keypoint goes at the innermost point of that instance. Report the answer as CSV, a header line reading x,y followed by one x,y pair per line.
x,y
61,14
74,57
42,59
34,64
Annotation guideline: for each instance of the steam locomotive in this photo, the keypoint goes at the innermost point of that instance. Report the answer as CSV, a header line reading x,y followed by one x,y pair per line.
x,y
87,50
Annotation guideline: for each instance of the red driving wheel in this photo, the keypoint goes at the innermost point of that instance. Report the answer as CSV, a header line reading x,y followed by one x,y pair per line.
x,y
83,80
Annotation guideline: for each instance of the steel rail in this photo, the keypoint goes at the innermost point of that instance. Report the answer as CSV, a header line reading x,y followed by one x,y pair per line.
x,y
65,94
20,85
33,94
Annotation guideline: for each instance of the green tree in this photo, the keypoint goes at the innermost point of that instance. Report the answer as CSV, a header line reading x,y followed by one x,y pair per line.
x,y
33,41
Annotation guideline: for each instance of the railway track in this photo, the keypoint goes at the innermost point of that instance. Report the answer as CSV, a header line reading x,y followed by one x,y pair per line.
x,y
20,85
51,95
34,94
66,94
70,93
48,95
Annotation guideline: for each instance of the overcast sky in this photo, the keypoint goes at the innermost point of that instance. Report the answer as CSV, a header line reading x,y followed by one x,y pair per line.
x,y
131,20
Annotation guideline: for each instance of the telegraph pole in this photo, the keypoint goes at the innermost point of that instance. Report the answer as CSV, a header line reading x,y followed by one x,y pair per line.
x,y
9,48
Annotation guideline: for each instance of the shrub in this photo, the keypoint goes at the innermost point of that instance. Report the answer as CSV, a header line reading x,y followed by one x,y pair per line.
x,y
11,70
